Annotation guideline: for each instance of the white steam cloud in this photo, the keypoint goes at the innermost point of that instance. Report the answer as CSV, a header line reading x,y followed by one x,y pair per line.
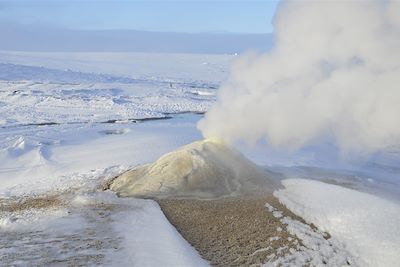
x,y
334,72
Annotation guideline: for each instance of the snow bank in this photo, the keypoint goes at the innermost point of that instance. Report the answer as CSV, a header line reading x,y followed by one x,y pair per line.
x,y
203,169
146,238
367,225
315,248
150,240
95,228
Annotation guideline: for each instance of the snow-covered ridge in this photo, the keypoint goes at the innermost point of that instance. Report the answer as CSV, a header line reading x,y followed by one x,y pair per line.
x,y
316,248
366,224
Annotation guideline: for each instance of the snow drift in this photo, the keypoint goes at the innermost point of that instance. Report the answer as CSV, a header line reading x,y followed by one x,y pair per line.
x,y
366,224
203,169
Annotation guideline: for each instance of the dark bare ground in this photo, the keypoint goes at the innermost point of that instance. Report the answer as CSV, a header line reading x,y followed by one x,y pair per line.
x,y
231,231
40,202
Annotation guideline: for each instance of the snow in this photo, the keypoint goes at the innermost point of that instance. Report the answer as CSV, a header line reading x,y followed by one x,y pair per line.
x,y
314,248
37,88
377,174
147,66
71,121
152,241
25,218
57,124
73,162
55,157
368,225
28,102
149,239
66,129
97,227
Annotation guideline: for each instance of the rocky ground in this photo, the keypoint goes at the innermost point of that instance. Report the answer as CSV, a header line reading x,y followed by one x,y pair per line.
x,y
232,231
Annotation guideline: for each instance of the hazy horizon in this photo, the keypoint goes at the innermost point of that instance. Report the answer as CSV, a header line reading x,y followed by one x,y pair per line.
x,y
218,27
52,39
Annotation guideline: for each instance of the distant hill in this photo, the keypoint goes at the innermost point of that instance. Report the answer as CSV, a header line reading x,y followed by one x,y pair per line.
x,y
26,38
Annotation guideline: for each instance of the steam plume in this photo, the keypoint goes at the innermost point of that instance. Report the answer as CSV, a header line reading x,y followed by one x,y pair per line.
x,y
334,72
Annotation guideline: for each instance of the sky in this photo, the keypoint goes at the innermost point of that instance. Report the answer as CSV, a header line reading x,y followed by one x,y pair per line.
x,y
161,16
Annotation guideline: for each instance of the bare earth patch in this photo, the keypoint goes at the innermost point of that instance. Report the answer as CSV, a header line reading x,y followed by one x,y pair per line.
x,y
231,231
252,232
21,204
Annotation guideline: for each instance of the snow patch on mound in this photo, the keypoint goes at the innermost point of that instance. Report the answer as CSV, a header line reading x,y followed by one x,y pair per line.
x,y
203,169
316,247
366,224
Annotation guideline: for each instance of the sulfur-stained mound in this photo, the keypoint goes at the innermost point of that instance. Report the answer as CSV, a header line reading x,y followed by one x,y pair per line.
x,y
204,169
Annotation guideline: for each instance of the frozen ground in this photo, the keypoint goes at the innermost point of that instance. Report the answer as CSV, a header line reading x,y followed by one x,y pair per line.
x,y
68,122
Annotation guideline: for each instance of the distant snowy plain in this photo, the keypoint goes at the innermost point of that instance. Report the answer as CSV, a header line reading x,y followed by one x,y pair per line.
x,y
70,121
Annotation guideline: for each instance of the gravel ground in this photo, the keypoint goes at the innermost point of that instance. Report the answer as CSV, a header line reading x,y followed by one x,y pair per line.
x,y
20,204
231,231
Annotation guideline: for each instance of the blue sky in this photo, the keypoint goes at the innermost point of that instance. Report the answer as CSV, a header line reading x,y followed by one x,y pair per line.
x,y
176,16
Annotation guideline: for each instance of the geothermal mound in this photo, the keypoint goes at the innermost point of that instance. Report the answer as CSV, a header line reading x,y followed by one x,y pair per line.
x,y
204,169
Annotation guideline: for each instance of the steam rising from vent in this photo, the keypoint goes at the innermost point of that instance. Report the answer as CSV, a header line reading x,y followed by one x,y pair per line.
x,y
334,72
